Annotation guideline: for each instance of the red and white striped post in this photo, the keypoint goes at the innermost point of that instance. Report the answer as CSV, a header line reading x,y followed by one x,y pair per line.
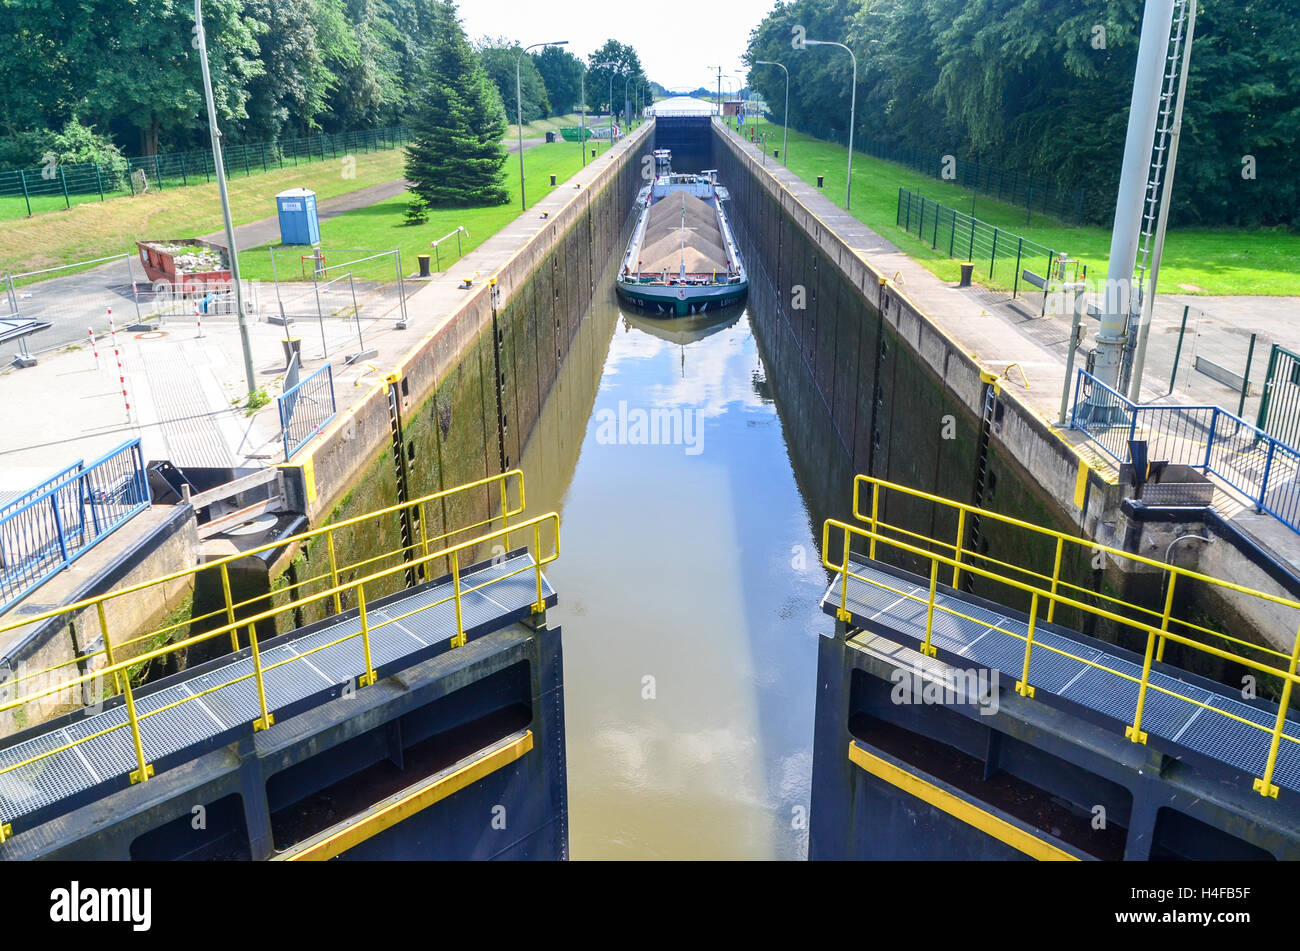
x,y
94,347
198,321
121,373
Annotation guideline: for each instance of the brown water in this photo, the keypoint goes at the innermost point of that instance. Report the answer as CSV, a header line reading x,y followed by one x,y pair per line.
x,y
689,584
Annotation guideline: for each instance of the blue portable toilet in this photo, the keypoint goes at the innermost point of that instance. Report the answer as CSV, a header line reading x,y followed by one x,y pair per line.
x,y
298,222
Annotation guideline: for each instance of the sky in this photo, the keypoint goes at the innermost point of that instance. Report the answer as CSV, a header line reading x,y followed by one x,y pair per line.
x,y
680,44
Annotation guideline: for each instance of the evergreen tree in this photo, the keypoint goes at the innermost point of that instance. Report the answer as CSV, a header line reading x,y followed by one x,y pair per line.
x,y
455,158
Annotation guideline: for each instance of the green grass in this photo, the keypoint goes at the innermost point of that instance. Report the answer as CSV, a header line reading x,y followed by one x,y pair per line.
x,y
96,229
1217,261
382,226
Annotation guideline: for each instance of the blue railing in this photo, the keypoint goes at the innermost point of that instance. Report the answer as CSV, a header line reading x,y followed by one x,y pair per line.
x,y
49,527
1260,467
305,409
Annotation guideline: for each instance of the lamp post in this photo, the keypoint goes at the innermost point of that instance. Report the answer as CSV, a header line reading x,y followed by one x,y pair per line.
x,y
519,112
785,116
202,41
853,105
582,116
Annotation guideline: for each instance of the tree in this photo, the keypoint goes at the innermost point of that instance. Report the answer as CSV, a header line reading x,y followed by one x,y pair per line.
x,y
561,71
499,57
613,61
455,158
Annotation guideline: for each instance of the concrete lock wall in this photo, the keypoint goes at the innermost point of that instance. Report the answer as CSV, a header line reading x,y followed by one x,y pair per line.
x,y
507,339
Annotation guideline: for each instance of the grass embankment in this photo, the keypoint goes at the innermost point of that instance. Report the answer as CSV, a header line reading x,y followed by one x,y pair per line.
x,y
538,129
382,226
1218,261
96,230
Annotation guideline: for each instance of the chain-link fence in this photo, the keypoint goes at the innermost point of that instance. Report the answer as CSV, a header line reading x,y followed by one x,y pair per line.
x,y
49,187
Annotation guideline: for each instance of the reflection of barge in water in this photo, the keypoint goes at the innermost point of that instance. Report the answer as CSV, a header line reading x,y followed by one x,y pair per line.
x,y
683,258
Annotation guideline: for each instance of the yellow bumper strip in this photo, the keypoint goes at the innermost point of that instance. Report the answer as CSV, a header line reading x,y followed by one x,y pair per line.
x,y
967,812
342,836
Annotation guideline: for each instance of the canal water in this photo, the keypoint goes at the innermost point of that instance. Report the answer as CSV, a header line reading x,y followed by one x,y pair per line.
x,y
689,583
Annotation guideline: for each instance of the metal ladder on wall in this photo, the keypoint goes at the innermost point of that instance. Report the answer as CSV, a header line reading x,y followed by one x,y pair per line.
x,y
1156,178
408,516
987,420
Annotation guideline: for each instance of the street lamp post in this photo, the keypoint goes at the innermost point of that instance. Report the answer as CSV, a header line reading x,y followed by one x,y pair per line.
x,y
519,112
785,116
853,105
582,117
232,251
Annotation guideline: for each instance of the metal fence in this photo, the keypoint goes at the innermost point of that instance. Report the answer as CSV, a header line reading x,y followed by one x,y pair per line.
x,y
1209,438
306,408
1279,406
1001,257
50,187
44,530
1035,195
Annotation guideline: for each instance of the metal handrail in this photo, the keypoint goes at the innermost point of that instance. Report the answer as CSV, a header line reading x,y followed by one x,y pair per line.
x,y
119,669
502,482
1049,589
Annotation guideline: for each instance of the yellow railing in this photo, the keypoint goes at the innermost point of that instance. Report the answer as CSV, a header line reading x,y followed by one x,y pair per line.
x,y
498,491
1052,590
424,551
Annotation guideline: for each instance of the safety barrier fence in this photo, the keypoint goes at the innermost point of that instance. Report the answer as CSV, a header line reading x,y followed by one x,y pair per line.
x,y
47,528
1001,257
1046,593
306,408
1260,467
1035,195
115,666
53,186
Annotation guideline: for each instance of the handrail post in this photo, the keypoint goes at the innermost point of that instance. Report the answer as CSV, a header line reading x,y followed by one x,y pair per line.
x,y
875,523
539,606
145,769
1209,442
334,572
842,613
459,639
1169,610
505,508
1264,786
928,649
369,677
1056,577
424,537
959,547
230,606
1263,482
1135,732
1022,685
266,720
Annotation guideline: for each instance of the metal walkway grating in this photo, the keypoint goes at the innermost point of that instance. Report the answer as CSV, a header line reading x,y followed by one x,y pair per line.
x,y
882,605
60,782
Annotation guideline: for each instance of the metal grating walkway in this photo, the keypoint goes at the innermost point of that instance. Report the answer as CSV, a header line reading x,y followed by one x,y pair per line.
x,y
1182,725
59,783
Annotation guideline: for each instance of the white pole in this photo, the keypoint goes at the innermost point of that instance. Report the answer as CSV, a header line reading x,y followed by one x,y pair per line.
x,y
1148,81
201,37
1166,199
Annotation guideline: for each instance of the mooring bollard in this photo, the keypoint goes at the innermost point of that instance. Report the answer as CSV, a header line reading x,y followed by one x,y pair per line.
x,y
552,181
424,264
966,268
821,181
